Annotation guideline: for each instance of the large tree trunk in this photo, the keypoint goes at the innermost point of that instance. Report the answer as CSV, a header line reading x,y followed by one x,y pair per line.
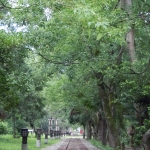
x,y
95,132
131,45
89,130
99,129
141,112
114,141
83,131
104,130
146,141
130,40
127,5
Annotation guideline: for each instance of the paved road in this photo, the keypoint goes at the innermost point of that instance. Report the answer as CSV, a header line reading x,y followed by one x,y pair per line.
x,y
72,144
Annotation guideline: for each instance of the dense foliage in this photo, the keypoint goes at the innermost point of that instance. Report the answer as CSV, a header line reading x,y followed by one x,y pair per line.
x,y
87,61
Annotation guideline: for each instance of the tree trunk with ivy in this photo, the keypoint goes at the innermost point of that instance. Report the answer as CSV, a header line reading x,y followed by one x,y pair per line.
x,y
89,130
95,131
107,101
99,129
104,130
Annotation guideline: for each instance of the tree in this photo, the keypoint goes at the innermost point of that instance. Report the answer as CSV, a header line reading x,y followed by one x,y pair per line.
x,y
11,57
17,79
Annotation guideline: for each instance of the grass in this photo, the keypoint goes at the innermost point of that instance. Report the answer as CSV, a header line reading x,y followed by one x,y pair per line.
x,y
99,145
7,142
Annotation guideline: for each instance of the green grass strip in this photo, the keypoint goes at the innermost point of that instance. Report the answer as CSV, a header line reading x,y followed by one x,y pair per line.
x,y
7,142
99,145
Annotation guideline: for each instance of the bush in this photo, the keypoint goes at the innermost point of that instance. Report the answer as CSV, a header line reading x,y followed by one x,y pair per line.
x,y
3,127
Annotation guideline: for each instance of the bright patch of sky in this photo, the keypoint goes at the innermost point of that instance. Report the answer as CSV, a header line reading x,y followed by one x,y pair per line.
x,y
12,27
15,4
15,27
48,13
3,27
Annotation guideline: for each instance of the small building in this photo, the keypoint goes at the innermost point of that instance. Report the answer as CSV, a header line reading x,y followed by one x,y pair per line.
x,y
53,124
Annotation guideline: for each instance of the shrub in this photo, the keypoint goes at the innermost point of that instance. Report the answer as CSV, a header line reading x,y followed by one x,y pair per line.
x,y
3,127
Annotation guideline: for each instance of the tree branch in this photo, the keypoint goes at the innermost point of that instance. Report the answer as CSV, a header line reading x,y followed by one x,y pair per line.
x,y
145,3
66,63
120,55
4,5
142,71
117,4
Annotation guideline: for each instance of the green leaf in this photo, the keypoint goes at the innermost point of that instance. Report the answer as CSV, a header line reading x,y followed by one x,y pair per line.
x,y
100,35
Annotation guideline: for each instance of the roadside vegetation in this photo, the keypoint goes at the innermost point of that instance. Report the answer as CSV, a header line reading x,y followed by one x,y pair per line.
x,y
99,145
7,142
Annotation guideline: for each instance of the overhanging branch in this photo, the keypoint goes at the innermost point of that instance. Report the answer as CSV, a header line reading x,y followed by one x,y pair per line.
x,y
134,72
65,63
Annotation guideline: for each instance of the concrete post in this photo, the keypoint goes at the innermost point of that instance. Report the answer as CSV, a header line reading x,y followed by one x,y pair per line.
x,y
46,138
38,141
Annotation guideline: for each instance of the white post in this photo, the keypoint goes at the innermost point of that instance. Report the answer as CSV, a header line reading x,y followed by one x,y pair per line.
x,y
38,143
24,147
